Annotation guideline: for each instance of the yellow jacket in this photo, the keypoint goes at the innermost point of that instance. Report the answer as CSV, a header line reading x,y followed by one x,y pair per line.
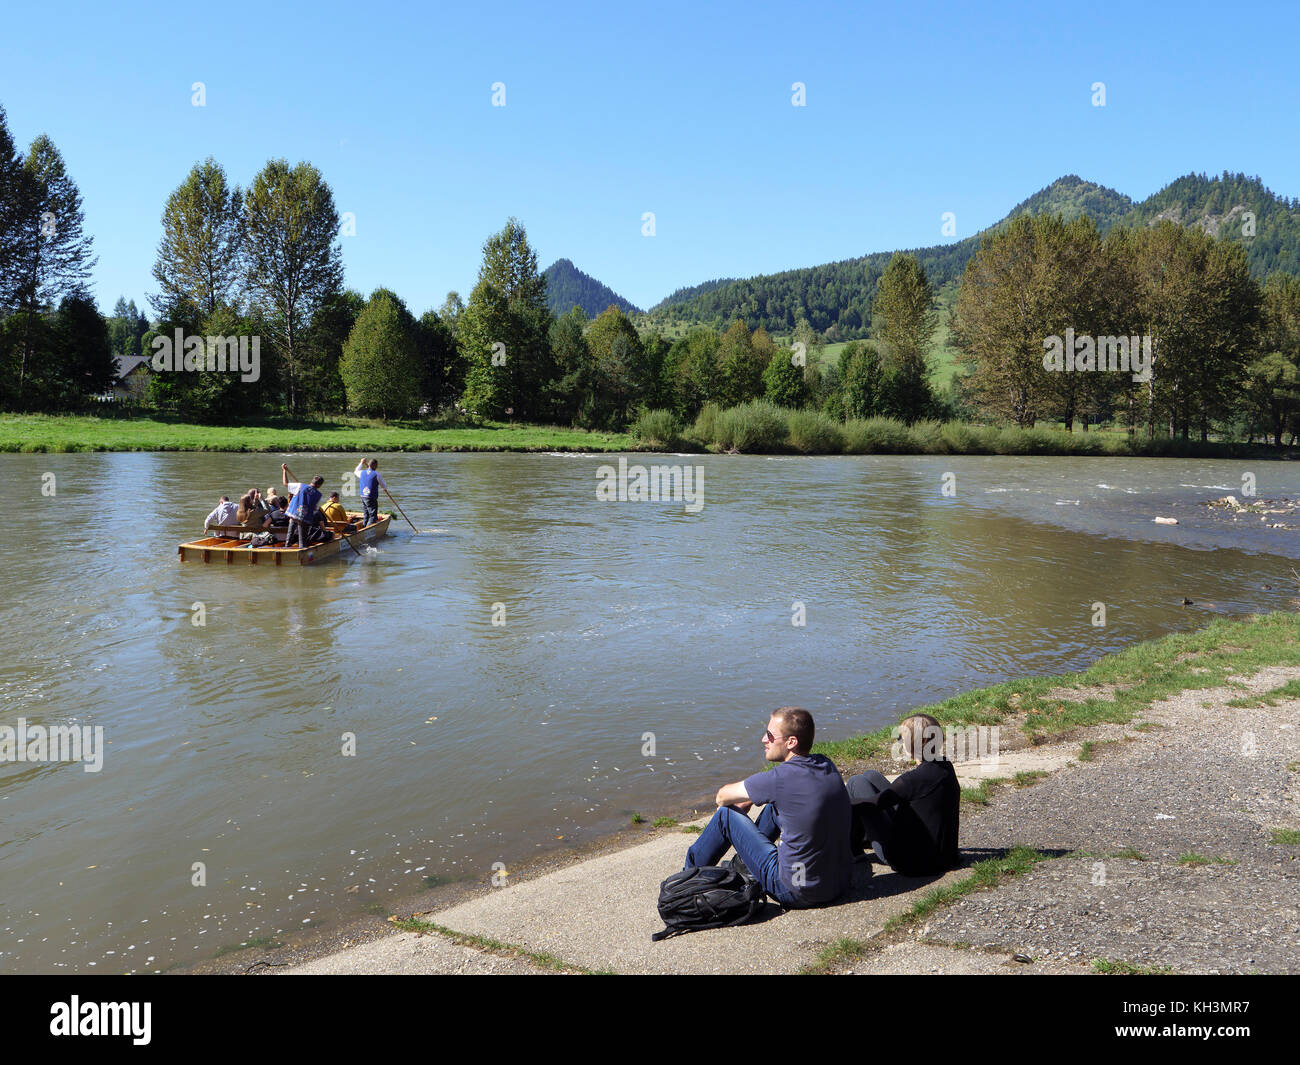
x,y
334,511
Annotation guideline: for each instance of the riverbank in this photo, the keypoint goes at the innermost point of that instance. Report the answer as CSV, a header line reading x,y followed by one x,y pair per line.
x,y
1064,871
750,429
29,433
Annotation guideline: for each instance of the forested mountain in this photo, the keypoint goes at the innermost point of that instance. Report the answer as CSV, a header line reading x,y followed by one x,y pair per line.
x,y
836,297
568,287
1220,207
682,295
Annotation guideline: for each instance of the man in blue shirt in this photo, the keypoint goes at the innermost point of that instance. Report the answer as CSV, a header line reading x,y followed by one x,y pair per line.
x,y
805,804
302,511
369,481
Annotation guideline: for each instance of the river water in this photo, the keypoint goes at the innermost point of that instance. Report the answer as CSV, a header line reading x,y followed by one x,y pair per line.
x,y
498,674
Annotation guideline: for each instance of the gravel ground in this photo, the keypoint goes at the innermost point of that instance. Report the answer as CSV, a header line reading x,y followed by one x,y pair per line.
x,y
1213,781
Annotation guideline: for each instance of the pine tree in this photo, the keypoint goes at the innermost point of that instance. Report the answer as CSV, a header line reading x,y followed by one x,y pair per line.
x,y
503,332
54,257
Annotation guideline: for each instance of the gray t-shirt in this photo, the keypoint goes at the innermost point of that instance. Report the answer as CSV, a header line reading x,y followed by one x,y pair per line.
x,y
814,812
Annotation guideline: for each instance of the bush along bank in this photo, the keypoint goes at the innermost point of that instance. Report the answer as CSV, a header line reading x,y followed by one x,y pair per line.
x,y
761,427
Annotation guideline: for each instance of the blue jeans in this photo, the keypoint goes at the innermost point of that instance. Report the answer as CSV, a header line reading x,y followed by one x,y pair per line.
x,y
370,509
754,843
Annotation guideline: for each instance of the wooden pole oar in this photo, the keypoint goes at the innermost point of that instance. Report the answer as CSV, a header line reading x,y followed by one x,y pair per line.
x,y
401,511
351,545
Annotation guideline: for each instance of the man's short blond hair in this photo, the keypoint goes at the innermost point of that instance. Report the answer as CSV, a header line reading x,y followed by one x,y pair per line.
x,y
914,731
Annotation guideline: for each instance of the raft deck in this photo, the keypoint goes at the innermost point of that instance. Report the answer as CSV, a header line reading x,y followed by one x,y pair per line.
x,y
225,545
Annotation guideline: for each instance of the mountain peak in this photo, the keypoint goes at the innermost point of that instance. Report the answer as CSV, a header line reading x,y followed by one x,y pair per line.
x,y
568,287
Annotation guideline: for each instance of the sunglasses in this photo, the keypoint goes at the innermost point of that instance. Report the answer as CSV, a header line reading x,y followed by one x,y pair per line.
x,y
768,737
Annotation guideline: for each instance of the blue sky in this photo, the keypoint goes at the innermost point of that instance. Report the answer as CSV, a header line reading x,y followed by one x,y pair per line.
x,y
679,109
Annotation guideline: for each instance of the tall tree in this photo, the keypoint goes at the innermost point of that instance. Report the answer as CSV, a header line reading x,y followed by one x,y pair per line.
x,y
295,260
121,327
439,362
17,202
380,363
1273,391
740,370
573,387
1193,295
503,332
54,252
1026,284
322,384
690,371
903,323
200,256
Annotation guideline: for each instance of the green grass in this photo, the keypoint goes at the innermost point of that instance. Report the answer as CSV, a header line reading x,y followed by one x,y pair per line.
x,y
1130,854
43,433
692,830
665,822
984,875
1286,837
979,795
637,819
1290,690
756,427
495,946
1293,767
1140,676
1192,860
1088,752
1147,726
1123,968
1027,777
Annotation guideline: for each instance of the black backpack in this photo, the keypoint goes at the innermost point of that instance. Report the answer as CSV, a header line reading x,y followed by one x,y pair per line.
x,y
713,896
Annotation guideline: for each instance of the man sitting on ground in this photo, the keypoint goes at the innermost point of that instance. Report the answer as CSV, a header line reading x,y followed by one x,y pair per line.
x,y
806,805
912,823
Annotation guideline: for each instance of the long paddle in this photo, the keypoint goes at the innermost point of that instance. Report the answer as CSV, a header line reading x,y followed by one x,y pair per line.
x,y
350,544
401,511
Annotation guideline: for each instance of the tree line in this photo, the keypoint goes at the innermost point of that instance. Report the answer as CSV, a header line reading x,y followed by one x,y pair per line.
x,y
265,260
1224,347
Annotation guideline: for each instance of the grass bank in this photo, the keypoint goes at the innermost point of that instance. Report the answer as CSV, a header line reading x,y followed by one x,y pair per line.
x,y
1133,679
751,428
45,433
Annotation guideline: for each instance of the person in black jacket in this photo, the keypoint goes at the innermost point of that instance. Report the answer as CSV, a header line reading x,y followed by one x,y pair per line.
x,y
912,823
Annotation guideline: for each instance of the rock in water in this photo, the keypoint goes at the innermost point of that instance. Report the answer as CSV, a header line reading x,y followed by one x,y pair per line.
x,y
1165,521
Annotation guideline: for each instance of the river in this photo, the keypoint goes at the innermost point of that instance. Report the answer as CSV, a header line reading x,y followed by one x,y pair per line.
x,y
501,674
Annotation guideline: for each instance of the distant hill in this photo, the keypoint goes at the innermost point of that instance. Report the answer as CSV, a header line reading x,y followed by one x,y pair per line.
x,y
683,295
836,297
568,287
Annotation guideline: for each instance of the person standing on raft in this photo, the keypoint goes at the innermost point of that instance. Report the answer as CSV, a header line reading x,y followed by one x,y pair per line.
x,y
302,507
369,481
